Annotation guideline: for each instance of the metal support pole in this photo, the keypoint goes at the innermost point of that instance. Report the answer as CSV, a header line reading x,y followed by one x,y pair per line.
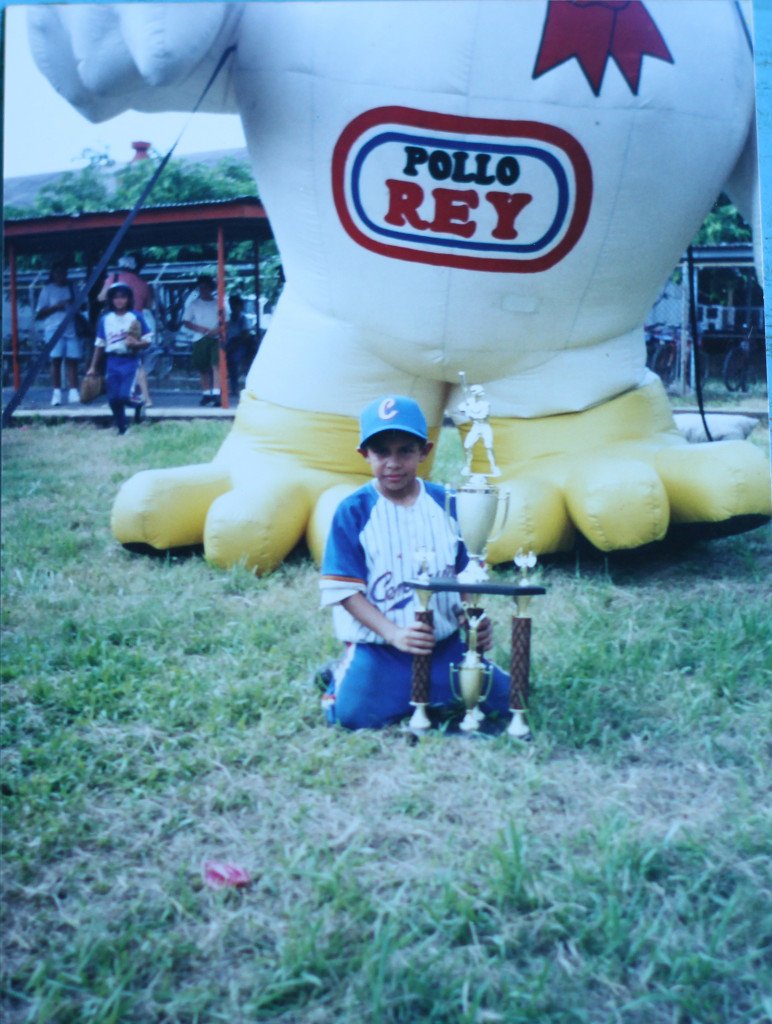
x,y
221,314
14,318
257,291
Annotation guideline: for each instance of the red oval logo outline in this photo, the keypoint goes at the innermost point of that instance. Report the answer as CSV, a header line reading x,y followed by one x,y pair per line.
x,y
460,125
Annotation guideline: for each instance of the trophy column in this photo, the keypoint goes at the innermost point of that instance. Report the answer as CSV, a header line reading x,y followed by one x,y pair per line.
x,y
420,690
520,661
421,682
519,675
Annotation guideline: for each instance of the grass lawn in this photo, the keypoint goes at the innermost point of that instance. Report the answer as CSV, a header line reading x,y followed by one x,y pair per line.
x,y
158,713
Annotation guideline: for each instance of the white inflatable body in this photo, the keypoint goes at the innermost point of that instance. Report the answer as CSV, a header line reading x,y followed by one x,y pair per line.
x,y
499,188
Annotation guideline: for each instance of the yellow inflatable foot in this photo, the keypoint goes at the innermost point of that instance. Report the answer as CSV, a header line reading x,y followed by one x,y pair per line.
x,y
167,508
256,499
622,475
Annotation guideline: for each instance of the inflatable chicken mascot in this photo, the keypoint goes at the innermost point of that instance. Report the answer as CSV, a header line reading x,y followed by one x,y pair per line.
x,y
498,188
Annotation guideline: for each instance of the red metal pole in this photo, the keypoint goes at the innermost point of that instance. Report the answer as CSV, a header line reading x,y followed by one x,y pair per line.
x,y
221,310
14,319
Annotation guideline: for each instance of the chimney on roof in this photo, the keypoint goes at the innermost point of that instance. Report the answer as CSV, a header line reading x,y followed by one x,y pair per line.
x,y
140,150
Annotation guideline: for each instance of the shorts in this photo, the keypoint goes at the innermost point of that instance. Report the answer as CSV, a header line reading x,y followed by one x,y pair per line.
x,y
205,353
67,347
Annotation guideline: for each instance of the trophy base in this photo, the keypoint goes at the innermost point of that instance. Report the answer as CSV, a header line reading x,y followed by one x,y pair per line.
x,y
474,573
419,721
518,728
471,720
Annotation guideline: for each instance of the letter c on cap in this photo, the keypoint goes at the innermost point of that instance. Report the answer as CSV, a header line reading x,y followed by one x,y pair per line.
x,y
387,410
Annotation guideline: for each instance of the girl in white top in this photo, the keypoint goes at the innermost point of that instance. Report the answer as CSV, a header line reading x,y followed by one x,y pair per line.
x,y
122,334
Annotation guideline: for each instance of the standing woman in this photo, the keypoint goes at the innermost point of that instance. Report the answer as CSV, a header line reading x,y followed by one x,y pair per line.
x,y
51,308
122,334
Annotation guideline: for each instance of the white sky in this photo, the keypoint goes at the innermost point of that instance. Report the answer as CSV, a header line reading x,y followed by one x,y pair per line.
x,y
42,132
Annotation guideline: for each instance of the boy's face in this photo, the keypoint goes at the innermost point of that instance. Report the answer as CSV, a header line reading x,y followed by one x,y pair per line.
x,y
120,301
394,458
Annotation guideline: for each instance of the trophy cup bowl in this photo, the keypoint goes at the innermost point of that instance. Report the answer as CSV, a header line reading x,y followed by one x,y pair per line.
x,y
477,505
471,682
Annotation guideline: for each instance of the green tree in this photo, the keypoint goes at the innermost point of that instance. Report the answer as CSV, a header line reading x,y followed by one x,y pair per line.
x,y
183,182
83,191
98,186
723,225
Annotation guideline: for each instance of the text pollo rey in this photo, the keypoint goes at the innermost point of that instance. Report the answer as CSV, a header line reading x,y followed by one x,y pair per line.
x,y
452,207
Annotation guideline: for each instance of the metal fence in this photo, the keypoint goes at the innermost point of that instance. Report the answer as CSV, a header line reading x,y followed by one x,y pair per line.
x,y
729,330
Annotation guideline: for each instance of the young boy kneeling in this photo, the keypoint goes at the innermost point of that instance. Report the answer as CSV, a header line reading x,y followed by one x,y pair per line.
x,y
371,551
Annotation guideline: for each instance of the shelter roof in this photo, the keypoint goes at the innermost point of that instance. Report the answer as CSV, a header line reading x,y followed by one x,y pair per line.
x,y
242,219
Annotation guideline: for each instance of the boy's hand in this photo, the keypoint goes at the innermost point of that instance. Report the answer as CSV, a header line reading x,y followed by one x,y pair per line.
x,y
415,639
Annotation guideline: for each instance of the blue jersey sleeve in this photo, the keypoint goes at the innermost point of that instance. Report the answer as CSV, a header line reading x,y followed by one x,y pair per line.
x,y
344,558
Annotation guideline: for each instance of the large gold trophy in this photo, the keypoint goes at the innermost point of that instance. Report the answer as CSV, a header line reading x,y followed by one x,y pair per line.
x,y
479,504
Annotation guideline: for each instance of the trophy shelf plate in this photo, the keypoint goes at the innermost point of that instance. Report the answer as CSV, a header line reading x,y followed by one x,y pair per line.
x,y
452,584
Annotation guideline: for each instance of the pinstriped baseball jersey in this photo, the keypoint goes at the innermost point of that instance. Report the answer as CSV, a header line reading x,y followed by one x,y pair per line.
x,y
372,549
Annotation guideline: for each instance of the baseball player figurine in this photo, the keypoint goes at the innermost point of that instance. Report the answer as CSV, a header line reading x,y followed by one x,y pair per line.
x,y
477,408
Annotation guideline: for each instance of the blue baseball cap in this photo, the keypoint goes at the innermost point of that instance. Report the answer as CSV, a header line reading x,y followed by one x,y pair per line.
x,y
394,412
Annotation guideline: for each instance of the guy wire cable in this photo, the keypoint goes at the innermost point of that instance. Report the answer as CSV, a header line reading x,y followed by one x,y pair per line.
x,y
695,340
81,296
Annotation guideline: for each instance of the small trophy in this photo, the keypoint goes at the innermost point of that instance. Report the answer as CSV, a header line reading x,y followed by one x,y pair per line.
x,y
422,663
471,681
477,501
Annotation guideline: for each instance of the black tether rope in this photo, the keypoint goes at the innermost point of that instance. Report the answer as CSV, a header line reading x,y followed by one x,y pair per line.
x,y
698,354
79,299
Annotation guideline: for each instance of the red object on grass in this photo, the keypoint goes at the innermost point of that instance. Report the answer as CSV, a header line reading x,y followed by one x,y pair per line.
x,y
218,874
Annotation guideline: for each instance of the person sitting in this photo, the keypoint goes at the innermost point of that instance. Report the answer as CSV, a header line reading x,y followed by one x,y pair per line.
x,y
370,555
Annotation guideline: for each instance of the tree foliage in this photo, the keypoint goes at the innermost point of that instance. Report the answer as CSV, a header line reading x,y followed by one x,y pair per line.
x,y
723,225
183,182
98,186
